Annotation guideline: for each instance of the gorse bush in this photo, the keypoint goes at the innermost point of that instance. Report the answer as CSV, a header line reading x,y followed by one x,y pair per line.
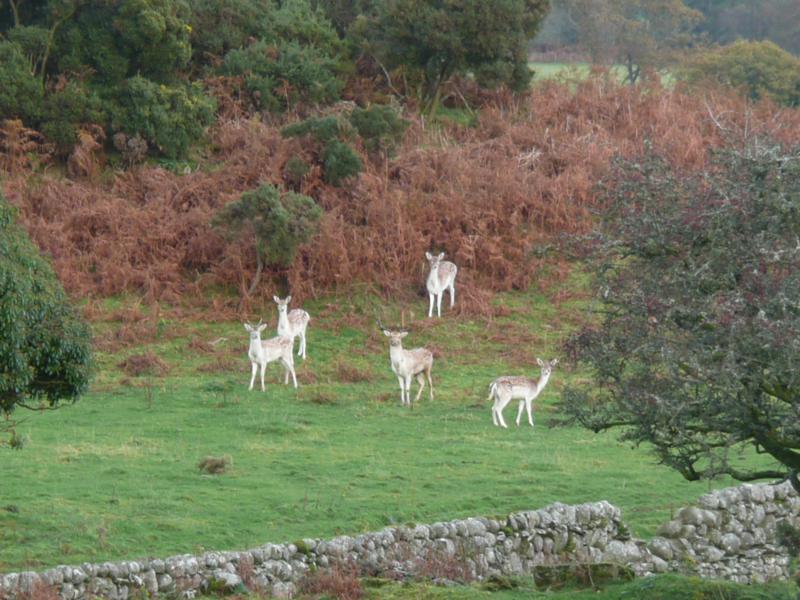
x,y
21,92
44,347
169,118
380,127
338,159
340,162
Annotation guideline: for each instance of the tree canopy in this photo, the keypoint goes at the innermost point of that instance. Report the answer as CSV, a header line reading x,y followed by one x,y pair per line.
x,y
44,347
697,350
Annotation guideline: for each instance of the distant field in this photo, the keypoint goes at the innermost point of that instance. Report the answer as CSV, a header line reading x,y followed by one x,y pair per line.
x,y
547,70
115,476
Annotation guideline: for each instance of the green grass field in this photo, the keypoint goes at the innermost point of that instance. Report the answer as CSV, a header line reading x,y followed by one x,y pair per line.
x,y
115,476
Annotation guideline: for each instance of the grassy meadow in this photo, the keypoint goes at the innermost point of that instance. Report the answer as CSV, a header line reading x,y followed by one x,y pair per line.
x,y
115,475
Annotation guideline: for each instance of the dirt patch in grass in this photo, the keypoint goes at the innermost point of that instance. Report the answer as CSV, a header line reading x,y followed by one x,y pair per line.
x,y
144,364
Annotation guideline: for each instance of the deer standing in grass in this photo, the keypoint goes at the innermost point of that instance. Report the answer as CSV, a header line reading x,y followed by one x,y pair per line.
x,y
292,323
407,364
441,278
262,352
525,389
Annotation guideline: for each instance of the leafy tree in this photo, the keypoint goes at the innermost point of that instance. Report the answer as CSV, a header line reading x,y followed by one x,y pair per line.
x,y
436,39
277,223
44,347
697,351
21,92
635,33
762,69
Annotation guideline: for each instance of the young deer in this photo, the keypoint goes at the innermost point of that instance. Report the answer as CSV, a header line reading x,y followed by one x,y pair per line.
x,y
525,389
441,277
263,352
407,364
292,323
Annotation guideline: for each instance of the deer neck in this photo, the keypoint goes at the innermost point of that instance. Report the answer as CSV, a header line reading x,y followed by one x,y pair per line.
x,y
397,355
433,276
283,321
256,349
542,382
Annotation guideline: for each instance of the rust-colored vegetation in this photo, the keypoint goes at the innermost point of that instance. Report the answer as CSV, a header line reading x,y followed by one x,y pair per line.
x,y
485,195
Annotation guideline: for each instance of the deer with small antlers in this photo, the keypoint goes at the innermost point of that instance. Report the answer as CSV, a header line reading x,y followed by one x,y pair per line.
x,y
442,277
262,352
525,389
406,364
292,323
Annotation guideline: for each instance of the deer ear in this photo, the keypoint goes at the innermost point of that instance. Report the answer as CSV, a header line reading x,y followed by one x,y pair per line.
x,y
540,362
386,333
403,334
428,255
262,327
276,299
441,255
247,326
288,299
554,362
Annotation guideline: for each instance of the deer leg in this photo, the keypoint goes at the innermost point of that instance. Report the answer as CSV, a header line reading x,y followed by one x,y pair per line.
x,y
408,389
439,304
501,403
290,369
430,381
519,412
263,368
529,407
303,344
402,391
430,304
452,295
253,378
421,382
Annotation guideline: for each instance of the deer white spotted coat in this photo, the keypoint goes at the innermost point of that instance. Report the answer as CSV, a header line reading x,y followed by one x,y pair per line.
x,y
407,364
263,352
525,389
292,323
442,277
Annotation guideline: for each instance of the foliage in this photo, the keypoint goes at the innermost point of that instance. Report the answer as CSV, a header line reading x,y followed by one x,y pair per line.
x,y
699,279
340,162
278,76
44,346
761,69
21,92
436,39
277,223
169,118
636,33
380,127
65,110
321,129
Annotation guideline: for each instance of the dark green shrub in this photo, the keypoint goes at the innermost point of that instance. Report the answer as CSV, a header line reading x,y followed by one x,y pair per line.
x,y
219,26
21,93
323,129
284,74
169,118
340,162
278,224
44,347
296,169
65,110
380,127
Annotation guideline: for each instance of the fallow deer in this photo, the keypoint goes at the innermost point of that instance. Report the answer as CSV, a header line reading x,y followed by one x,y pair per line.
x,y
407,364
292,323
262,352
441,278
525,389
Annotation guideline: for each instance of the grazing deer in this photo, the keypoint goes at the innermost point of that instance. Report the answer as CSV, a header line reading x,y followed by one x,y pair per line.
x,y
407,364
263,352
292,323
441,277
525,389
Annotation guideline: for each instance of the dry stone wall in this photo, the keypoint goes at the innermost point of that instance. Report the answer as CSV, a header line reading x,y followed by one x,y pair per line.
x,y
728,534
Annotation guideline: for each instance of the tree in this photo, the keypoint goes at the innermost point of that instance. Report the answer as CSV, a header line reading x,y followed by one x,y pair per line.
x,y
44,347
436,39
761,69
697,350
277,223
636,33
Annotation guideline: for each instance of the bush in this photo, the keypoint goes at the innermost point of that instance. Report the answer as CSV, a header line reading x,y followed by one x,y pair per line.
x,y
21,93
340,162
278,75
65,110
168,118
323,129
44,346
761,69
379,126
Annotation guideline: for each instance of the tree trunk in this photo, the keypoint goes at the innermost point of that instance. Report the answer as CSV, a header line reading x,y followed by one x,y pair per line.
x,y
257,276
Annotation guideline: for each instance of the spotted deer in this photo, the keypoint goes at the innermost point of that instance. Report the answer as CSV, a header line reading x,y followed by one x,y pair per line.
x,y
441,278
292,323
525,389
262,352
407,364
